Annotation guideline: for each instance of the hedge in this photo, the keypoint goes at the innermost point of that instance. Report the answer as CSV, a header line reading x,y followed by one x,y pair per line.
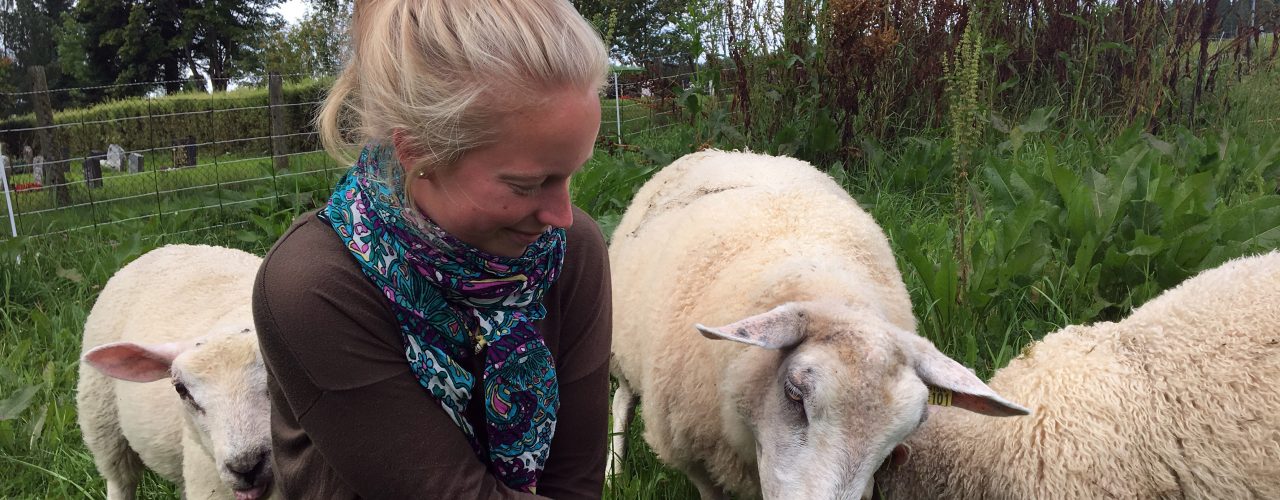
x,y
237,121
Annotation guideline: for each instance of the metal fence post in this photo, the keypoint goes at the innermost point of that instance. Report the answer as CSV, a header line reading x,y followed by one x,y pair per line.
x,y
617,106
4,179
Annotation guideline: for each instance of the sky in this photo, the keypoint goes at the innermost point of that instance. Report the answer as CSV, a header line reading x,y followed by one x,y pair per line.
x,y
292,10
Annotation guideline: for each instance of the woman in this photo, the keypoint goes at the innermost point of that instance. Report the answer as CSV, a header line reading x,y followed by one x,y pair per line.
x,y
441,328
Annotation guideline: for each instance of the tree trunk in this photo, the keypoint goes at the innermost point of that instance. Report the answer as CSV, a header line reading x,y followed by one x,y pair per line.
x,y
56,168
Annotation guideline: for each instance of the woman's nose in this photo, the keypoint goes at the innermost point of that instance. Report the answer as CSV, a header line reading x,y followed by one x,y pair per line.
x,y
556,209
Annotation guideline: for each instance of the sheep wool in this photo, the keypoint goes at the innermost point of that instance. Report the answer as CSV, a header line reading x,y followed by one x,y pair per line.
x,y
1179,400
171,377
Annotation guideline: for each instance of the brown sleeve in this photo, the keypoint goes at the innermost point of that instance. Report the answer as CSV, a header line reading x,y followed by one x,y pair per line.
x,y
581,313
349,418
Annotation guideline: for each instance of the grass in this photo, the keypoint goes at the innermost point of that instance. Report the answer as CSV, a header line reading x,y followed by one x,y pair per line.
x,y
1070,223
214,186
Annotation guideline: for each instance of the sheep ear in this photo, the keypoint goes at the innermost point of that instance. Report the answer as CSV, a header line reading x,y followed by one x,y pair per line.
x,y
951,384
133,362
782,326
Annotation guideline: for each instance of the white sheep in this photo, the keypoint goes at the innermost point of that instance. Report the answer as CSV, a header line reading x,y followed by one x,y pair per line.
x,y
1179,400
826,374
171,376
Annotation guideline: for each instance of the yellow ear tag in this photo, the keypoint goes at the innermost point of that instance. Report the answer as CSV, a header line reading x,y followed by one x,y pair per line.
x,y
940,397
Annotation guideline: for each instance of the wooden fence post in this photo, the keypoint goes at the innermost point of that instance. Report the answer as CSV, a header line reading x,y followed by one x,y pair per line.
x,y
279,147
57,169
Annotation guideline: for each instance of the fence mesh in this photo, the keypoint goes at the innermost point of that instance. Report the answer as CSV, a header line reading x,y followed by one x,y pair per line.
x,y
216,161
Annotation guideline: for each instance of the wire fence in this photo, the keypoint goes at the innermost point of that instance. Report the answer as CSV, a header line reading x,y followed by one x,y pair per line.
x,y
215,164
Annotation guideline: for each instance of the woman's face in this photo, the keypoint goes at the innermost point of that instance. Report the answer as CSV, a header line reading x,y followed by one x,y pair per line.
x,y
500,198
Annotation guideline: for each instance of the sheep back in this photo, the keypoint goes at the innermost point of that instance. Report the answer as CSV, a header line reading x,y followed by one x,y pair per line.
x,y
713,238
1178,399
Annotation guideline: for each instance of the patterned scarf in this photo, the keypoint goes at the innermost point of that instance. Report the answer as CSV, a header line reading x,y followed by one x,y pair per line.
x,y
452,301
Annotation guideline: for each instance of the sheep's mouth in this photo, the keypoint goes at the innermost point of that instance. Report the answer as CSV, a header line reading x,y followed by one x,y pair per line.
x,y
254,493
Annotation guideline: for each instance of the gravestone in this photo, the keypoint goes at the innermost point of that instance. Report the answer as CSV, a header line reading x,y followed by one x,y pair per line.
x,y
115,157
191,151
37,169
93,169
184,152
135,163
26,160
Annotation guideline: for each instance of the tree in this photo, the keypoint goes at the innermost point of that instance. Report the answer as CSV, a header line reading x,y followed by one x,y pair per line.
x,y
165,43
221,32
92,41
7,87
642,30
27,39
313,47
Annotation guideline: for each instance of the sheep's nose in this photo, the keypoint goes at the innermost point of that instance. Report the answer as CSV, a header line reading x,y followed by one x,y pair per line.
x,y
250,470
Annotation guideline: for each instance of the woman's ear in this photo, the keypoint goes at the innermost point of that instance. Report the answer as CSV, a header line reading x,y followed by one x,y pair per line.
x,y
407,152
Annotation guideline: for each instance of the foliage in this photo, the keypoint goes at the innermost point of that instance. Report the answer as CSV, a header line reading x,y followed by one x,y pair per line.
x,y
963,109
162,41
27,39
1083,230
313,47
639,30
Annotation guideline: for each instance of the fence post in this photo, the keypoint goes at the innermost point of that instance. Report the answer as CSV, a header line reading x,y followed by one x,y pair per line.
x,y
617,106
4,179
44,123
155,168
279,149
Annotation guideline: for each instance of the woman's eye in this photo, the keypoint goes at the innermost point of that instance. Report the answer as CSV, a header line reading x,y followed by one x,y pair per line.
x,y
523,190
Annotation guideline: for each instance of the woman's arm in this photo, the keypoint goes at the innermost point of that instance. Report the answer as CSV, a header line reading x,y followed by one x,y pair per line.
x,y
581,313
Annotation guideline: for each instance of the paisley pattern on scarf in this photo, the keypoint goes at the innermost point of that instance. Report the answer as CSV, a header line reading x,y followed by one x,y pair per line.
x,y
453,301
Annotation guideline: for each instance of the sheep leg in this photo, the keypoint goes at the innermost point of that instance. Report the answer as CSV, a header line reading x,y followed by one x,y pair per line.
x,y
624,408
707,488
100,427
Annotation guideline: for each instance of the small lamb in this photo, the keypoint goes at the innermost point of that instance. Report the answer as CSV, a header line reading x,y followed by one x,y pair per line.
x,y
1179,400
825,373
180,313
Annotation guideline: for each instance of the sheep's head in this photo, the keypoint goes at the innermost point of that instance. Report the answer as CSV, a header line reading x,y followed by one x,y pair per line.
x,y
834,392
222,383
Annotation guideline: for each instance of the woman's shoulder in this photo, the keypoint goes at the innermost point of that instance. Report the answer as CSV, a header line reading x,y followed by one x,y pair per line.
x,y
584,241
312,300
310,273
309,254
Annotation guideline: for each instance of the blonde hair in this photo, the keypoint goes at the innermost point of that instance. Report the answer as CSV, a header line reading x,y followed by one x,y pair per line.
x,y
439,74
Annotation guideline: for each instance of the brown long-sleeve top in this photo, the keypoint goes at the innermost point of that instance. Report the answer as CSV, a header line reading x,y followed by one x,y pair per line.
x,y
348,417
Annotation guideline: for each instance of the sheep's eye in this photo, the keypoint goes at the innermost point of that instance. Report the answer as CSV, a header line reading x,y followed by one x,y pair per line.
x,y
186,395
182,390
793,392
